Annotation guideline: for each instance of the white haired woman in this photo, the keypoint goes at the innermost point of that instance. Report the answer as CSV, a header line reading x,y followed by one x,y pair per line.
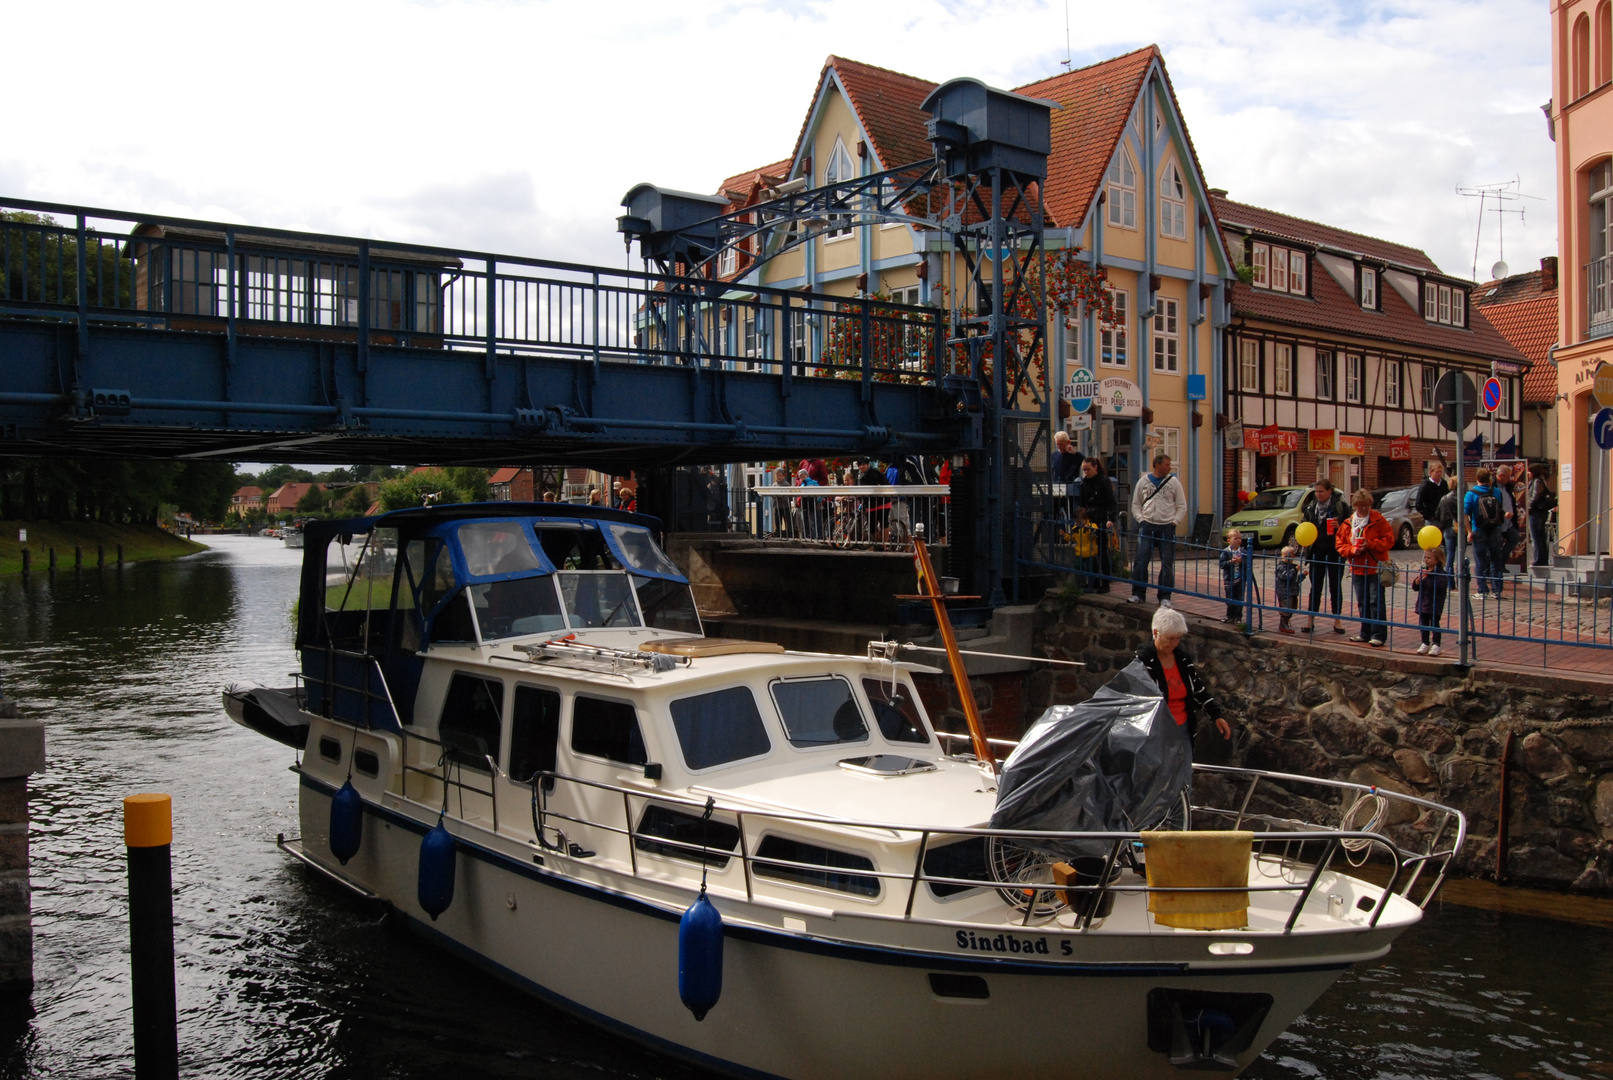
x,y
1186,693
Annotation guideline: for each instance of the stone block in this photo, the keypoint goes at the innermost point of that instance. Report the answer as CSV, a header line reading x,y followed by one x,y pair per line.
x,y
1338,731
1602,804
22,748
1289,756
1430,737
1541,757
1414,767
1314,695
1539,864
14,849
1588,745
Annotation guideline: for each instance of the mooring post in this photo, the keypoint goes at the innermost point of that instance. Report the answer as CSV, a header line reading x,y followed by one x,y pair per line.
x,y
52,553
27,560
22,753
148,833
78,558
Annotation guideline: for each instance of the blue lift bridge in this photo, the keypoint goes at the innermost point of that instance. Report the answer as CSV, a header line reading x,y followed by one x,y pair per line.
x,y
129,335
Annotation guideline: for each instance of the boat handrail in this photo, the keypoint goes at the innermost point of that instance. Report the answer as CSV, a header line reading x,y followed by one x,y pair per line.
x,y
1332,840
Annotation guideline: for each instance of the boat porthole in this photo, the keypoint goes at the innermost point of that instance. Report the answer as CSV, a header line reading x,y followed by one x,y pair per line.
x,y
366,762
960,987
1231,948
330,749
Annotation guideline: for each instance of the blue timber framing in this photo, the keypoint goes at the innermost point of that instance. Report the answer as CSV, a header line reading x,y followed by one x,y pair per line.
x,y
186,339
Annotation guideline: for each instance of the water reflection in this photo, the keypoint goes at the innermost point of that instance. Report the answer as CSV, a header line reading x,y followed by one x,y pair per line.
x,y
281,977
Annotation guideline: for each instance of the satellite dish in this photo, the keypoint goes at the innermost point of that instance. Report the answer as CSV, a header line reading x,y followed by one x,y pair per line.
x,y
1499,270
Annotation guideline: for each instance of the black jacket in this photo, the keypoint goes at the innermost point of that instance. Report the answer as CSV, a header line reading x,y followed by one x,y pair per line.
x,y
1318,513
1097,498
1428,496
1200,702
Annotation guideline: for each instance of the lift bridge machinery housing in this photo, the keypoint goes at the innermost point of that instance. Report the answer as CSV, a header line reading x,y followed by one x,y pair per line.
x,y
175,338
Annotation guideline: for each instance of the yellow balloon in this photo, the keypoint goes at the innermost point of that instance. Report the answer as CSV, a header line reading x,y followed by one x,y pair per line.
x,y
1305,534
1430,537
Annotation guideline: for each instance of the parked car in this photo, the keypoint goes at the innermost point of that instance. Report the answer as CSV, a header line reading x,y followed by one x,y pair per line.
x,y
1268,519
1398,505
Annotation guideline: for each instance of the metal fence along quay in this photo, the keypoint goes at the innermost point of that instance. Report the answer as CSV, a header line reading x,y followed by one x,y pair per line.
x,y
1516,618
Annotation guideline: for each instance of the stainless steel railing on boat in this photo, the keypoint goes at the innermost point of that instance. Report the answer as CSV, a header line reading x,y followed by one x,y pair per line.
x,y
1283,835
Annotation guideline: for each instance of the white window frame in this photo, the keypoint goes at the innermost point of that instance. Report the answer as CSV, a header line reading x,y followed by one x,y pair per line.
x,y
839,167
1296,272
728,261
1172,203
1248,366
1445,304
750,339
1282,370
1167,336
1458,307
1279,269
1355,377
1121,181
1430,301
1369,289
1391,383
1072,343
1430,379
1259,254
1505,411
1115,346
800,337
1326,362
1170,443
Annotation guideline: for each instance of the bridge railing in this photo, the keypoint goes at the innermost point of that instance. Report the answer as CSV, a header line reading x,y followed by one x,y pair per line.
x,y
861,517
92,264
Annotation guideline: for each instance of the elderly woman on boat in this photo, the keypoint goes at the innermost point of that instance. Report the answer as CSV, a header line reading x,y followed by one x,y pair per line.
x,y
1186,692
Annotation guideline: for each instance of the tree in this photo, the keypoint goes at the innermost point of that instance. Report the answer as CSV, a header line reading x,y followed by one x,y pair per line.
x,y
440,485
313,501
41,263
358,500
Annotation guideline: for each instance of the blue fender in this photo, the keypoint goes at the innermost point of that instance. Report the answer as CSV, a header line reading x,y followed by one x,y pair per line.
x,y
700,957
436,888
346,823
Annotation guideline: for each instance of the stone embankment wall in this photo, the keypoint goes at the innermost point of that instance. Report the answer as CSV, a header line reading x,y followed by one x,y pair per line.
x,y
1406,724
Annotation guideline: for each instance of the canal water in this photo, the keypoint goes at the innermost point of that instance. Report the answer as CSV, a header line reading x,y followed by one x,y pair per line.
x,y
281,976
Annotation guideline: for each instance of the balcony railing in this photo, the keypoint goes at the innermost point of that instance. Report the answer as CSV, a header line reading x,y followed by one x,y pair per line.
x,y
1599,296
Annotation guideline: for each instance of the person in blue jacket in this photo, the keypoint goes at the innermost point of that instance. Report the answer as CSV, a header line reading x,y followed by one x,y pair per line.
x,y
1486,532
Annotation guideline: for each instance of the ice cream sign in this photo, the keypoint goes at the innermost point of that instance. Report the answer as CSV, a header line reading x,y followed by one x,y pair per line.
x,y
1120,397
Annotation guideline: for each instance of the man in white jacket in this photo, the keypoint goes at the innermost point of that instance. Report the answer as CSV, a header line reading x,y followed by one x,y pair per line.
x,y
1158,505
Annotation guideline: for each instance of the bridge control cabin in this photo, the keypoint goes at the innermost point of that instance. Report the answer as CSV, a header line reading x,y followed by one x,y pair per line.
x,y
289,288
381,596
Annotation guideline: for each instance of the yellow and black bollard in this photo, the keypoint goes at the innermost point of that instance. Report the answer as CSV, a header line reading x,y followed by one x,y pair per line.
x,y
148,832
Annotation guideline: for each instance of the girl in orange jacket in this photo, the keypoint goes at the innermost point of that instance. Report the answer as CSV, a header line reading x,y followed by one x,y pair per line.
x,y
1363,541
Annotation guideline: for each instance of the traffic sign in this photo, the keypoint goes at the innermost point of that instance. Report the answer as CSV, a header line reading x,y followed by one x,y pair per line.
x,y
1602,429
1602,385
1492,393
1455,386
1080,390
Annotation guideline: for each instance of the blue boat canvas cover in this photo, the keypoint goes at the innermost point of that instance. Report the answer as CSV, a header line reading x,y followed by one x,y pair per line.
x,y
1116,762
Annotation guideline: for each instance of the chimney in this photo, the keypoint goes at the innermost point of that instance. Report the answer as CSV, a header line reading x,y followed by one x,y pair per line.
x,y
1548,273
1219,192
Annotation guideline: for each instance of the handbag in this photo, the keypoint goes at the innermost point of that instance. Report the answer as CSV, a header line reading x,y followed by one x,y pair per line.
x,y
1388,574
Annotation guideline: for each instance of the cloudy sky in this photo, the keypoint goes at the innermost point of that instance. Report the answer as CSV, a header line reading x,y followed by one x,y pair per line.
x,y
516,126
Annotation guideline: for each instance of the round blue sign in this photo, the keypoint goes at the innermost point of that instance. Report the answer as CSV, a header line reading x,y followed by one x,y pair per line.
x,y
1492,394
1602,429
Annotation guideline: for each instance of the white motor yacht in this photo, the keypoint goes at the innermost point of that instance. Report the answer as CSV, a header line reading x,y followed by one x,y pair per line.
x,y
511,730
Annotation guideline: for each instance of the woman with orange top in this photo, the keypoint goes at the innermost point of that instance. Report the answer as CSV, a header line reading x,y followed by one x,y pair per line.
x,y
1186,693
1363,541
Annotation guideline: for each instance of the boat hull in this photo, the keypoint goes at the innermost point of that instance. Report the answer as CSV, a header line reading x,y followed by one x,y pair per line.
x,y
794,1006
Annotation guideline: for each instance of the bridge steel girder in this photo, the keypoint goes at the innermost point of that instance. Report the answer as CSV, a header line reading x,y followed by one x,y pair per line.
x,y
307,401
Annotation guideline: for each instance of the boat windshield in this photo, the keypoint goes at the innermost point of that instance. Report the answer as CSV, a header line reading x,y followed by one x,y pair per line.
x,y
517,606
496,547
819,711
667,605
595,599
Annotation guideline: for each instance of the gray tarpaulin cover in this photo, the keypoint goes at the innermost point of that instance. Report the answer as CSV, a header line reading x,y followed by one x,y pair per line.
x,y
1116,762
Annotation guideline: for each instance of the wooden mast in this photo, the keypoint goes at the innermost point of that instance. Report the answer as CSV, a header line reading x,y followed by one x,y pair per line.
x,y
930,589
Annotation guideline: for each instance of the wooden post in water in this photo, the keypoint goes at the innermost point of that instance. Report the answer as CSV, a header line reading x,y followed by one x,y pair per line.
x,y
100,556
27,560
120,556
148,833
52,553
78,557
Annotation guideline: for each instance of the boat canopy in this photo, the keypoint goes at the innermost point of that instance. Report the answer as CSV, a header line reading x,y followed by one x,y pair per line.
x,y
377,591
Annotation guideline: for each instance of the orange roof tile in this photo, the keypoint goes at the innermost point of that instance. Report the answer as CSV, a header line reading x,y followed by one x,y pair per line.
x,y
1095,104
1287,227
739,187
1531,326
887,103
503,476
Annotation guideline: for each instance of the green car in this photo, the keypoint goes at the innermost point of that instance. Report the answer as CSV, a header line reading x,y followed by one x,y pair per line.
x,y
1268,519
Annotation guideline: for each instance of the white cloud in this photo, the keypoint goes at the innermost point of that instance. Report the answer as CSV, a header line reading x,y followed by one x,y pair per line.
x,y
517,126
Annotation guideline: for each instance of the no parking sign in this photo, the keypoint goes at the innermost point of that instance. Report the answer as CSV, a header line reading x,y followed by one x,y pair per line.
x,y
1492,393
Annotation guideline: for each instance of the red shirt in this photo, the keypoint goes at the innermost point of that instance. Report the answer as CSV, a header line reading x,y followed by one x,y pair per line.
x,y
1176,694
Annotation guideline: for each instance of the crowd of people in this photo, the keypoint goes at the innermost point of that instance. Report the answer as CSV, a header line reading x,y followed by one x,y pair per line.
x,y
853,517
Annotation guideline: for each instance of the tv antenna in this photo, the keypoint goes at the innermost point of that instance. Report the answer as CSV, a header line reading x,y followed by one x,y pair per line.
x,y
1068,59
1500,194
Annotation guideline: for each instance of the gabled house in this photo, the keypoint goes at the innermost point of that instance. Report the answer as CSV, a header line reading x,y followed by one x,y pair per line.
x,y
1336,344
1124,194
1523,307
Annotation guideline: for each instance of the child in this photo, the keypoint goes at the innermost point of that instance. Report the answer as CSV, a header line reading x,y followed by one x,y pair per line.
x,y
1234,573
1084,547
1289,574
1433,585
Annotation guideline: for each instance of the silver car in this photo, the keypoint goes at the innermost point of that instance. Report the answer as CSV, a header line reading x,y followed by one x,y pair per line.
x,y
1398,505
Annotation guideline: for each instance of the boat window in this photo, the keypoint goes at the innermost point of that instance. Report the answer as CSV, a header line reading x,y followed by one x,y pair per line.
x,y
330,749
367,762
576,546
796,851
686,829
439,582
453,622
496,547
607,729
637,550
895,712
598,600
716,728
471,720
534,732
667,605
410,565
516,606
965,859
819,712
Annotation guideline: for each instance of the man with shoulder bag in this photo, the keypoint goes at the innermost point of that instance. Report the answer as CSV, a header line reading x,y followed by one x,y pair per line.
x,y
1158,506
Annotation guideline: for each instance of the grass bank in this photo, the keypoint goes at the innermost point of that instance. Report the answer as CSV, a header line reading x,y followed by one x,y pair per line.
x,y
140,542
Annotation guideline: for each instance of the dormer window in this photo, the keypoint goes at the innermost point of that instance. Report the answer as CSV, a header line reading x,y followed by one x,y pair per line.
x,y
1369,289
838,168
1278,269
1444,304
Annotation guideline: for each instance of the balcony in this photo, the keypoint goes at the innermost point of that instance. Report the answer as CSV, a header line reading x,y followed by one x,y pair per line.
x,y
1599,297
